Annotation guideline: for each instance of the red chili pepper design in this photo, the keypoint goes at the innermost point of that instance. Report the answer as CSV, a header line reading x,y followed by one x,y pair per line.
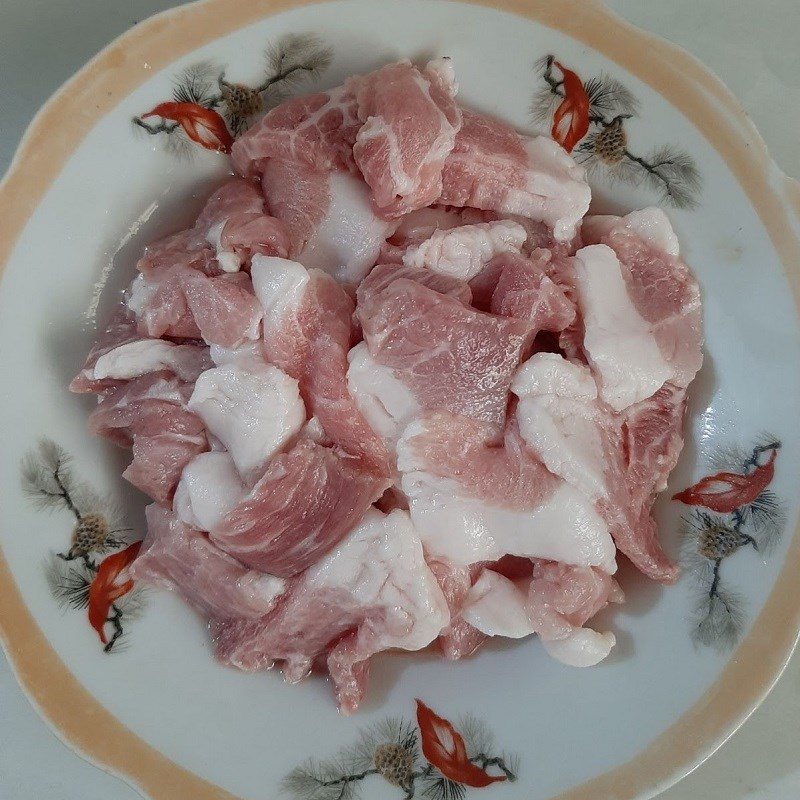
x,y
202,125
103,590
571,119
444,747
727,491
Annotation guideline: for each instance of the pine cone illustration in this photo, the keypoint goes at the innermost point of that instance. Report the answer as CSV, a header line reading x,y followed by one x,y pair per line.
x,y
720,541
394,762
610,143
241,100
89,534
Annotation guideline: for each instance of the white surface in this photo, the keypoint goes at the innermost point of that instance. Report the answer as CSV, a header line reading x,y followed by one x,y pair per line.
x,y
750,45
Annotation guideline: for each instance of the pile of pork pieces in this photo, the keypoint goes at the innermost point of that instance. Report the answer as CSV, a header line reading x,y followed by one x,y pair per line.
x,y
394,387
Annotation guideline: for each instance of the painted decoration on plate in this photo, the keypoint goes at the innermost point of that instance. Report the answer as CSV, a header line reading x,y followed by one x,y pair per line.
x,y
209,111
732,509
587,118
432,759
78,578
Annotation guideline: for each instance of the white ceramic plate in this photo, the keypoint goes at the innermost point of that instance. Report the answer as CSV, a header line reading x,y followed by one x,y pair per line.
x,y
88,189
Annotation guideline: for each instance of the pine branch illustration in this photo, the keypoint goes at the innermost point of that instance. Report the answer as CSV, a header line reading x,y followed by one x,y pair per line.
x,y
767,518
764,443
321,781
543,104
478,739
116,621
293,59
68,583
484,761
154,128
729,457
437,787
47,477
720,615
180,145
670,172
608,96
196,84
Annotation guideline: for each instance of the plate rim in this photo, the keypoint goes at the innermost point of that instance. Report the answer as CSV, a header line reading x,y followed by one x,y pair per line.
x,y
92,731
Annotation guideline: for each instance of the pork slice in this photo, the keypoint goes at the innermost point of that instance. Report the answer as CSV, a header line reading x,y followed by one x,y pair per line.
x,y
252,407
652,434
187,249
371,593
464,251
385,274
385,401
495,606
150,415
492,167
209,487
451,357
160,306
525,292
618,341
307,334
229,355
642,308
417,226
330,217
308,499
540,237
472,500
560,600
458,639
651,225
224,308
120,354
580,439
235,223
231,227
318,129
174,556
410,121
555,603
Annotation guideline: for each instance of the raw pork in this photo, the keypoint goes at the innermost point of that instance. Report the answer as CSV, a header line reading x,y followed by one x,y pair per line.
x,y
641,307
371,593
120,354
252,407
224,308
458,639
581,440
307,334
385,274
410,121
176,557
150,415
317,129
452,358
472,500
492,167
307,501
524,291
231,227
385,401
561,599
653,439
209,488
329,215
464,251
